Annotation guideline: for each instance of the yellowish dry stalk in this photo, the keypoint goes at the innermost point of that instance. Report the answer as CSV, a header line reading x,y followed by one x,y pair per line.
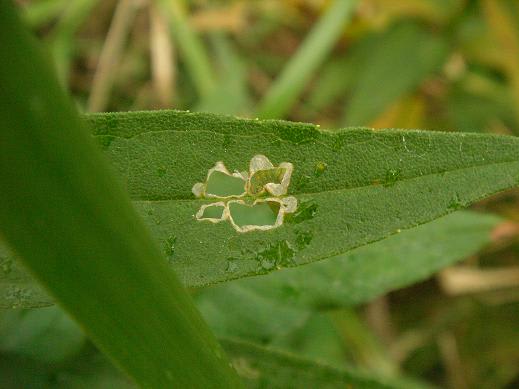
x,y
111,54
163,59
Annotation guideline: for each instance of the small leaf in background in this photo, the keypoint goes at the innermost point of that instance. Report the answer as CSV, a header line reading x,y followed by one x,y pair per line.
x,y
399,60
45,335
265,368
230,94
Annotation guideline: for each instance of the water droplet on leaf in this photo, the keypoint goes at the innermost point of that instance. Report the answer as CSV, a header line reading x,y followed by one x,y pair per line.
x,y
392,176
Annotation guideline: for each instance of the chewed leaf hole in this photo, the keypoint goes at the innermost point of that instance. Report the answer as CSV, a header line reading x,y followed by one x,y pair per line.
x,y
259,214
213,212
220,184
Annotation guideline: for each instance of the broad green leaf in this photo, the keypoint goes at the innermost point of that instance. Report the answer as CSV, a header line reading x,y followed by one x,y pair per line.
x,y
354,186
41,12
317,339
258,366
64,212
373,270
90,369
399,60
477,101
269,307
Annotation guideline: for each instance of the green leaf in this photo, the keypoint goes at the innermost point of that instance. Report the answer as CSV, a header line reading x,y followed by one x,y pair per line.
x,y
230,93
258,366
397,62
269,307
286,89
46,335
64,212
261,367
354,186
373,270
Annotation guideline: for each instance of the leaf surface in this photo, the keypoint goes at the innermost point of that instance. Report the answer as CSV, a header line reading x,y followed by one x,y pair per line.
x,y
269,307
373,270
261,367
373,184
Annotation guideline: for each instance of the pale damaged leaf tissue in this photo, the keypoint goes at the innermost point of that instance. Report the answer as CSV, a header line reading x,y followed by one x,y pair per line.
x,y
242,198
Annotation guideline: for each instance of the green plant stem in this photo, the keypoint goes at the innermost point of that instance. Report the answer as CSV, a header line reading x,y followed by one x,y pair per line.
x,y
63,211
286,89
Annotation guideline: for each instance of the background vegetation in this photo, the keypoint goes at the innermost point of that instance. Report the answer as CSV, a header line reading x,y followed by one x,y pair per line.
x,y
449,65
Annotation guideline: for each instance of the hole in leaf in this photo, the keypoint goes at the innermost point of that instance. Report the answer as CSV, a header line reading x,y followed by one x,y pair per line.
x,y
213,212
220,184
260,214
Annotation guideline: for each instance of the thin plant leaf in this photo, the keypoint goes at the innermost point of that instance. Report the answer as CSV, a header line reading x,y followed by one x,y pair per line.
x,y
63,210
110,55
60,40
287,88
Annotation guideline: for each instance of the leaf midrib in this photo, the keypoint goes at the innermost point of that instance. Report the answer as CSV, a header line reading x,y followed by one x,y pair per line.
x,y
304,194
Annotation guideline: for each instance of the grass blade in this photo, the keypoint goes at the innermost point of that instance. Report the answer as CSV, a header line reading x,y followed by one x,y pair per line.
x,y
190,46
284,92
62,210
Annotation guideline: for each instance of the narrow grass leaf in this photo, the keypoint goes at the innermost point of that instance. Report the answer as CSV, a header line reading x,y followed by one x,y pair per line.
x,y
63,210
287,88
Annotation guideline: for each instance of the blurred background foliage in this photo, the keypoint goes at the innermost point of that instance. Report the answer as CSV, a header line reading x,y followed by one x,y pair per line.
x,y
449,65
